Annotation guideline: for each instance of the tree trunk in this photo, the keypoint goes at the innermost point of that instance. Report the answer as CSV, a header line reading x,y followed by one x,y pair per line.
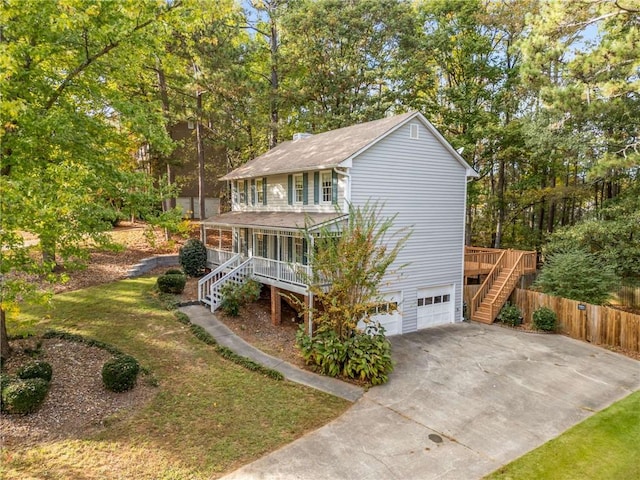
x,y
500,201
200,147
164,97
5,349
275,85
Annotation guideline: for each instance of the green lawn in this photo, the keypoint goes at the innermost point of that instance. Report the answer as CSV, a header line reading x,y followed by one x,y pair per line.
x,y
606,446
208,417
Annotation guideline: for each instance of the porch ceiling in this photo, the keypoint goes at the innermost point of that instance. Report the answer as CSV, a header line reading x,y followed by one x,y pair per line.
x,y
280,220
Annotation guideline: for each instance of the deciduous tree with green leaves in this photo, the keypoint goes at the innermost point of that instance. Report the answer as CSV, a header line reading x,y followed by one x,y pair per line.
x,y
73,111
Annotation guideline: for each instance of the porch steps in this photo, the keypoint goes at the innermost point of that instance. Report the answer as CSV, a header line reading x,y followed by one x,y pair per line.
x,y
237,275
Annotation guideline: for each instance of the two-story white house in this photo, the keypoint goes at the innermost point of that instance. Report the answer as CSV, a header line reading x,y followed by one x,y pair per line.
x,y
401,162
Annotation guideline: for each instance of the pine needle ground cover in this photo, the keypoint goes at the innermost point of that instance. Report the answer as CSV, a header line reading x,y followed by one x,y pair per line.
x,y
603,447
207,416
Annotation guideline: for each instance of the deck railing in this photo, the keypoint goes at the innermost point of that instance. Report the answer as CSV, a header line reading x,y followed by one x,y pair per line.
x,y
482,292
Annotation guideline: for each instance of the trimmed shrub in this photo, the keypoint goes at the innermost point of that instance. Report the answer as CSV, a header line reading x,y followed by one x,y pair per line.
x,y
510,315
24,396
193,257
37,369
364,356
119,374
172,283
5,380
545,319
174,271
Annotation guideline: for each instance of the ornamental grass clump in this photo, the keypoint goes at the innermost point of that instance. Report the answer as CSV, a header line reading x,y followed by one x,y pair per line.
x,y
119,374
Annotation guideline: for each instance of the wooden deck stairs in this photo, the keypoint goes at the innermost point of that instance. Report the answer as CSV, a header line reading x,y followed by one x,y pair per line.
x,y
503,269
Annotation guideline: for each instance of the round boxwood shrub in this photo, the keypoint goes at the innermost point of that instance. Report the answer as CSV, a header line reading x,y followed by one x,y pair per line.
x,y
545,319
171,282
37,369
24,396
193,257
119,374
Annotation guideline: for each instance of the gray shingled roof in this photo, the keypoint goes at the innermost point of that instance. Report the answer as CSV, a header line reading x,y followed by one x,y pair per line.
x,y
285,220
317,152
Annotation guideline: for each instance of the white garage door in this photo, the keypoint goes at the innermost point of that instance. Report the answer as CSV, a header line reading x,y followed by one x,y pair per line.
x,y
392,322
435,306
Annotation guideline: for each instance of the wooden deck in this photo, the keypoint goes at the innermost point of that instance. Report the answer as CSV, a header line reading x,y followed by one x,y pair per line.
x,y
503,269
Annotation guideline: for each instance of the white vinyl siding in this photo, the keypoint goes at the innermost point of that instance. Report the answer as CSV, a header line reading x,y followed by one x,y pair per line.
x,y
277,196
420,181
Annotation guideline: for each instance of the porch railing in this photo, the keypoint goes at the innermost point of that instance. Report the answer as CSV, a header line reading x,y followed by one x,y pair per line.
x,y
285,272
218,257
237,276
204,284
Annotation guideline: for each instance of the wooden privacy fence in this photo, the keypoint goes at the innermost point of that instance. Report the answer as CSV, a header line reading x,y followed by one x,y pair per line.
x,y
596,324
629,296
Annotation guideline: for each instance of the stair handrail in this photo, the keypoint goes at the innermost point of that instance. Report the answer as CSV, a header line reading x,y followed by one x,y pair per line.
x,y
205,282
482,292
497,303
227,277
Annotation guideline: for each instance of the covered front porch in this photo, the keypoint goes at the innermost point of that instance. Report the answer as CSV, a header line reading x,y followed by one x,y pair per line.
x,y
275,241
271,247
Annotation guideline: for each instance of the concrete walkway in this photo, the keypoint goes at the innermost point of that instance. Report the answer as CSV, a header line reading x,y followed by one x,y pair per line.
x,y
463,400
200,315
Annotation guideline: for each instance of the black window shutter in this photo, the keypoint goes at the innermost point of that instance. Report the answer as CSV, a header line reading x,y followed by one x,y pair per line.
x,y
264,191
305,188
305,258
246,196
334,187
289,249
253,191
316,187
290,189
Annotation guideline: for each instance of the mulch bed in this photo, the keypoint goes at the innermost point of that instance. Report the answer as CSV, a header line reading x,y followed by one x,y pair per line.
x,y
77,403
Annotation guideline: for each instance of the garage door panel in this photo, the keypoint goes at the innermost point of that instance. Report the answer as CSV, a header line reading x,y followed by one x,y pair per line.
x,y
435,306
392,322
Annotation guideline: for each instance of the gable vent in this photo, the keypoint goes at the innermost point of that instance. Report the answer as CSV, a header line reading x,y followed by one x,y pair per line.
x,y
301,136
413,130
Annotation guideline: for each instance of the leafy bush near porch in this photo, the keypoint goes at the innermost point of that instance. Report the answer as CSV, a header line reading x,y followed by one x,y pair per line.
x,y
545,319
364,356
193,257
510,315
234,296
172,282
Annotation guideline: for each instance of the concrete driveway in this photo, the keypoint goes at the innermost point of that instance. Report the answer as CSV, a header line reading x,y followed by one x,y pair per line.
x,y
463,400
